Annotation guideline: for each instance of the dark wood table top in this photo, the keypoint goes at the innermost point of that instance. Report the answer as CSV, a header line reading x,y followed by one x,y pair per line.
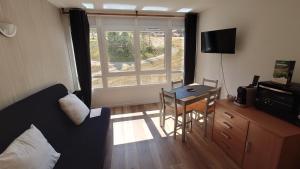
x,y
196,90
190,94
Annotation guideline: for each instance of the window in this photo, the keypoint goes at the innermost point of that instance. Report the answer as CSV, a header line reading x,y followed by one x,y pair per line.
x,y
153,79
120,81
95,60
136,53
152,46
119,49
177,63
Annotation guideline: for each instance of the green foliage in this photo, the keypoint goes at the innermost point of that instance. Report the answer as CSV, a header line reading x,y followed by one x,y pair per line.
x,y
280,74
148,50
120,46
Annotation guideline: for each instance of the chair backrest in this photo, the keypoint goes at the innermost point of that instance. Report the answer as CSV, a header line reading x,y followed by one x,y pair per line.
x,y
176,84
211,99
169,100
209,82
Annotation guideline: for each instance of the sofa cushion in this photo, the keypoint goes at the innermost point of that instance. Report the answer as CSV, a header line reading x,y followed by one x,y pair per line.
x,y
29,151
74,108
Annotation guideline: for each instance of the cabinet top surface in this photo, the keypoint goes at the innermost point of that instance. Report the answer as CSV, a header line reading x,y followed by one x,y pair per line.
x,y
266,121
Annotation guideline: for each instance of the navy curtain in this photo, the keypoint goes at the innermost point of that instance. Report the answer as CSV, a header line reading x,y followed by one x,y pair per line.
x,y
80,36
190,47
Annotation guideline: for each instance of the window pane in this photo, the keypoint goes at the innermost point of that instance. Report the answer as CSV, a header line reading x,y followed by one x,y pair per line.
x,y
177,50
152,46
95,59
97,82
119,49
121,81
177,76
153,79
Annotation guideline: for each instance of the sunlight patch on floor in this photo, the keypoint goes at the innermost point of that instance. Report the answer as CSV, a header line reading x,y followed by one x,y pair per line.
x,y
156,122
168,129
131,131
117,116
199,116
152,112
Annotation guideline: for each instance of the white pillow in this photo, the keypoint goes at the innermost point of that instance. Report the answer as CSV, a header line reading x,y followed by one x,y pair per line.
x,y
75,109
30,150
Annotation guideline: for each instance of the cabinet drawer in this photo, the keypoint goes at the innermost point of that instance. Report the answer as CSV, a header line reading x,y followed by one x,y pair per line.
x,y
231,147
235,133
232,118
230,139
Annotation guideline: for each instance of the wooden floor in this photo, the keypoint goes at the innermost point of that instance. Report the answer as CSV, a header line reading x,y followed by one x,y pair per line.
x,y
138,142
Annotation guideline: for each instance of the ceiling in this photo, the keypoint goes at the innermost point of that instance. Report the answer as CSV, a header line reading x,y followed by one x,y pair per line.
x,y
172,5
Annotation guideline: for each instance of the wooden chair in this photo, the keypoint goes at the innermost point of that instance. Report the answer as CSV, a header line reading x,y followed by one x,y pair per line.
x,y
170,106
176,84
207,108
209,82
202,103
210,107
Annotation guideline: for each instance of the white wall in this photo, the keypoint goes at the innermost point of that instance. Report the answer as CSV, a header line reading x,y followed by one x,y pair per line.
x,y
131,95
37,56
266,31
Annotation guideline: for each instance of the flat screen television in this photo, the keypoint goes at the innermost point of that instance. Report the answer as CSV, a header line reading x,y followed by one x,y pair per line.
x,y
218,41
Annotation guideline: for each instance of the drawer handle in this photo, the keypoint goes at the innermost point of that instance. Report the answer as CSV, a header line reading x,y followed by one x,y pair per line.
x,y
225,135
228,115
248,147
226,125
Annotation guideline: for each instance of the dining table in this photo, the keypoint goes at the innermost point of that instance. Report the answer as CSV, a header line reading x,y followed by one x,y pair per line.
x,y
189,94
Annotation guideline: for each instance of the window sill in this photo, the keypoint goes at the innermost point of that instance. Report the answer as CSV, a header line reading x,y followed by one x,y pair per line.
x,y
130,87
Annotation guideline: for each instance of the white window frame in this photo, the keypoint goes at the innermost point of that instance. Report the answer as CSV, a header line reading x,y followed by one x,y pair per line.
x,y
101,29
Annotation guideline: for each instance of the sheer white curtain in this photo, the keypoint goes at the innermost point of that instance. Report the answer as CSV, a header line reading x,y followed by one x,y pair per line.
x,y
66,23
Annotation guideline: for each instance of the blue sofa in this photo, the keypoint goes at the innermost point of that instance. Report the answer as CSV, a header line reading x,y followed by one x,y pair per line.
x,y
81,147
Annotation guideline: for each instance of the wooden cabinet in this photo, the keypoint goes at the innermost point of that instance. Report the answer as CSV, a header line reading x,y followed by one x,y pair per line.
x,y
262,148
230,132
254,139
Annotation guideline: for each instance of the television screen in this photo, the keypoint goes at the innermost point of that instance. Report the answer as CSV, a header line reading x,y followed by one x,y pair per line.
x,y
218,41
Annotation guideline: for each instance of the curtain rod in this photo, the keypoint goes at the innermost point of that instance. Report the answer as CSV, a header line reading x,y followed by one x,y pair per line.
x,y
63,11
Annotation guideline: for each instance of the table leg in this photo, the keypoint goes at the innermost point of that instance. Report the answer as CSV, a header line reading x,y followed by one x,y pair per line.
x,y
160,116
163,117
183,123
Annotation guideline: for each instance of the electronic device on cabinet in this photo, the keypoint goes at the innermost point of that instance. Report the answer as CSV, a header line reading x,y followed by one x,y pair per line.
x,y
279,100
246,94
